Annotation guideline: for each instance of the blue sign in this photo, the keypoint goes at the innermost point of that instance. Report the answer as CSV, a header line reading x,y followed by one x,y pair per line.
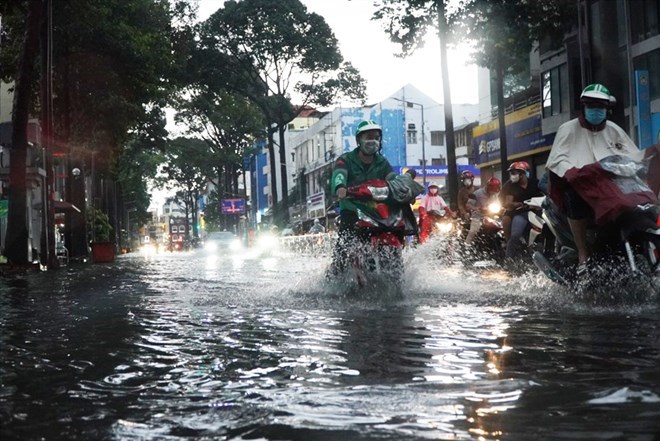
x,y
655,127
643,92
233,206
435,171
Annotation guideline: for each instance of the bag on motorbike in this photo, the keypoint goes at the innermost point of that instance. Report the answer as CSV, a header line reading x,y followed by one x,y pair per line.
x,y
611,186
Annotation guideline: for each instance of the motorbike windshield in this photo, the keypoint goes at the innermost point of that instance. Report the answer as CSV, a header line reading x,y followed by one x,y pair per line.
x,y
629,175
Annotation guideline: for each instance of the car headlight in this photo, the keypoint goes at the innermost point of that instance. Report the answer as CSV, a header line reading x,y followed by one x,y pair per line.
x,y
268,241
211,246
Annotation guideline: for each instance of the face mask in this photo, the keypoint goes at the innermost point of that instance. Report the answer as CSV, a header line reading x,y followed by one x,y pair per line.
x,y
515,178
369,146
433,191
467,182
595,116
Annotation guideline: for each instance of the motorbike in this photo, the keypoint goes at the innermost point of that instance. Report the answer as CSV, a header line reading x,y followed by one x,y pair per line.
x,y
537,237
488,244
380,231
442,225
625,239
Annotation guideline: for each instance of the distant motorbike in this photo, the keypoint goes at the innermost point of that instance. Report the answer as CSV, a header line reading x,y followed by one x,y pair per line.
x,y
442,227
626,245
380,230
488,244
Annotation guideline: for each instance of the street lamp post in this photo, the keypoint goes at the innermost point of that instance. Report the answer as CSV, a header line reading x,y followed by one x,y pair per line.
x,y
421,106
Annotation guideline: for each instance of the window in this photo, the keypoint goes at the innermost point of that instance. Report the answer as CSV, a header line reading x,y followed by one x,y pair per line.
x,y
650,61
645,19
437,138
555,91
412,137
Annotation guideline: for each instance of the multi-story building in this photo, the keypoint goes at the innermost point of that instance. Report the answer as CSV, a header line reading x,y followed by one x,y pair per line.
x,y
614,42
413,136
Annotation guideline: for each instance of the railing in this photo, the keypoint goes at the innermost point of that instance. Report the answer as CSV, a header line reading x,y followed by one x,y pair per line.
x,y
309,244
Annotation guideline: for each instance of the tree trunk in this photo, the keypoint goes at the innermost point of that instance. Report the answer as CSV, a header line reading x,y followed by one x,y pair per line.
x,y
499,80
452,171
16,242
284,174
48,256
273,172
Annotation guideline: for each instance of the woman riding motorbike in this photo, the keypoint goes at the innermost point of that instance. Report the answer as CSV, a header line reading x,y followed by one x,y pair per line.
x,y
430,207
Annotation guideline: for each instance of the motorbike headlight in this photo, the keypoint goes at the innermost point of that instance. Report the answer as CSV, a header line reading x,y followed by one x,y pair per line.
x,y
445,227
495,207
379,193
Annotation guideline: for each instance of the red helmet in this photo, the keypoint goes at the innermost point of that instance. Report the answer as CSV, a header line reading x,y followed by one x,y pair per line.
x,y
520,165
467,174
493,185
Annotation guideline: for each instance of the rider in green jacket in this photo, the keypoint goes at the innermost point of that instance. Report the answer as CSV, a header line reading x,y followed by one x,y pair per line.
x,y
353,168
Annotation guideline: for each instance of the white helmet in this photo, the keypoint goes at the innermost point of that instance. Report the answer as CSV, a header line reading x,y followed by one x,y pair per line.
x,y
366,126
597,92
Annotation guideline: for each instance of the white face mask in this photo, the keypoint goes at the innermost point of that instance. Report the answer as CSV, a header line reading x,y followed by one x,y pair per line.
x,y
467,182
515,178
369,146
433,191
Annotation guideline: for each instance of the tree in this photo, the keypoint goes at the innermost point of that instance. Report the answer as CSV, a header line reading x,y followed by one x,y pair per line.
x,y
504,48
186,169
16,241
407,21
114,62
269,50
229,124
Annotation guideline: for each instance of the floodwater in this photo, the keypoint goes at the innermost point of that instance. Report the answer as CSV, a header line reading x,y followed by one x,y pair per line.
x,y
182,346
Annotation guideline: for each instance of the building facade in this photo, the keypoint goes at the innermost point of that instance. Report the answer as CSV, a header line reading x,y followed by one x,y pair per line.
x,y
614,42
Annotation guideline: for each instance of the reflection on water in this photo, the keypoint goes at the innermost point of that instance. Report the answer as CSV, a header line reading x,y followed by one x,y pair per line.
x,y
184,346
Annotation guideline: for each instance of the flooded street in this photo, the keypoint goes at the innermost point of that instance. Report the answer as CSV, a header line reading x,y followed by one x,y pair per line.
x,y
180,346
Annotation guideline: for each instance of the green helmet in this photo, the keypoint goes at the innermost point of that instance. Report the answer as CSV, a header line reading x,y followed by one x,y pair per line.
x,y
366,126
597,92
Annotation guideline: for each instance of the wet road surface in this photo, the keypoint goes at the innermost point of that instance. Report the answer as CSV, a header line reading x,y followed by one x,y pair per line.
x,y
183,346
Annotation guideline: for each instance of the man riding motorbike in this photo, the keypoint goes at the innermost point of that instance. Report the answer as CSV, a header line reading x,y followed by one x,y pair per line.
x,y
430,207
578,143
519,188
479,203
362,164
467,188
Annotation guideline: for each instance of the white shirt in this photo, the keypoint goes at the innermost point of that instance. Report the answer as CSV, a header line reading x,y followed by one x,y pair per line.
x,y
575,146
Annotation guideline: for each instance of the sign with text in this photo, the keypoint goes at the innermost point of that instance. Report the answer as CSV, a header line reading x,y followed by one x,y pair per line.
x,y
316,205
233,206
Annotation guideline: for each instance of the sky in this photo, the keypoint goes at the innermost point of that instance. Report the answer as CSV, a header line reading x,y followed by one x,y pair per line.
x,y
365,44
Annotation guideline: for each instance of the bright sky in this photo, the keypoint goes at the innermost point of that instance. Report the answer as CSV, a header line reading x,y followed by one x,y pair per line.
x,y
365,44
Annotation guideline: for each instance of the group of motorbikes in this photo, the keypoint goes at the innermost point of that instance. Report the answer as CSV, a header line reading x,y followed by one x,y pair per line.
x,y
626,248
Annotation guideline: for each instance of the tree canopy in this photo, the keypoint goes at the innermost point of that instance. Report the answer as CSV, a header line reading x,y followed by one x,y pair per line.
x,y
273,55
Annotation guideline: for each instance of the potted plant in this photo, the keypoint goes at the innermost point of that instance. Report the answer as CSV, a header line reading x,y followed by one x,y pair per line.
x,y
103,249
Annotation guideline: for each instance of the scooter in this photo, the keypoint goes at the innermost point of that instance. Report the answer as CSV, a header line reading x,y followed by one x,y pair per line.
x,y
375,248
626,247
444,231
488,244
